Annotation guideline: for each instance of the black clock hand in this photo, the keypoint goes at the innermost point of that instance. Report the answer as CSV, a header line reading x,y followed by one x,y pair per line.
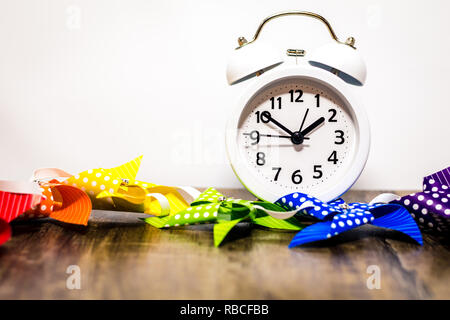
x,y
258,135
268,117
303,121
312,126
274,136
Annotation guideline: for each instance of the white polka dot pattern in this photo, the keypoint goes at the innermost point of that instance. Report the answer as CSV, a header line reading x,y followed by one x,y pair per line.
x,y
212,207
431,208
338,217
95,181
325,211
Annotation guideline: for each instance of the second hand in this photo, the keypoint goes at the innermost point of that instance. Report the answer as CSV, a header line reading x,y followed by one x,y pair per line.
x,y
278,136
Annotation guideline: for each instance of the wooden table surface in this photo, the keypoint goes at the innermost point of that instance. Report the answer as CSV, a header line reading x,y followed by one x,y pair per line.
x,y
121,257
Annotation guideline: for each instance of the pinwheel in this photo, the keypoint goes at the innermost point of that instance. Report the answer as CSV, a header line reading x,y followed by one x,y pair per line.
x,y
118,189
337,217
225,213
430,208
30,200
95,181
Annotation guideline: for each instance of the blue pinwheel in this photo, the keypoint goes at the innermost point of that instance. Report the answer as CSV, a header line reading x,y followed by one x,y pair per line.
x,y
338,216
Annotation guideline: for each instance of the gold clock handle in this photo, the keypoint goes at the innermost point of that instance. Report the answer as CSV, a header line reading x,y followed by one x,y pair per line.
x,y
242,41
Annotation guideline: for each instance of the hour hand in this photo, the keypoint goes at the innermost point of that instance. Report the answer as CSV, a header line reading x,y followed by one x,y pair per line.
x,y
312,126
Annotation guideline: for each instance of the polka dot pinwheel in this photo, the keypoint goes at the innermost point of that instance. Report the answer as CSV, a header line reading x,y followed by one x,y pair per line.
x,y
95,181
430,207
212,207
31,200
338,217
117,189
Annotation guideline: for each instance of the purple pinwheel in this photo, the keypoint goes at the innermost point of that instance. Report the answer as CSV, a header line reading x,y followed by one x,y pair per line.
x,y
431,207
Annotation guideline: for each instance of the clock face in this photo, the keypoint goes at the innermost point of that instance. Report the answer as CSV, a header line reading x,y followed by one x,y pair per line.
x,y
296,134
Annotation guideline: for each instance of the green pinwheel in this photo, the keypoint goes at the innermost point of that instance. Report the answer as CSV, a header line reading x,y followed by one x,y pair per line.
x,y
212,207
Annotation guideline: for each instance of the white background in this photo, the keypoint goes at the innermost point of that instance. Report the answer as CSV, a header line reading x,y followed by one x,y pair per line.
x,y
87,84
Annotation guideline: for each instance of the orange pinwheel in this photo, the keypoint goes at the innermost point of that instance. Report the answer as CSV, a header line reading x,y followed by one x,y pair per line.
x,y
29,200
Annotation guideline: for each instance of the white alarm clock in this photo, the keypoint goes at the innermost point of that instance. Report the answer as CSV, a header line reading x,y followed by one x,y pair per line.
x,y
297,127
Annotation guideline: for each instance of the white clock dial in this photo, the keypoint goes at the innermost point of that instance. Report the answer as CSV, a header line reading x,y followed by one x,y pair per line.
x,y
297,135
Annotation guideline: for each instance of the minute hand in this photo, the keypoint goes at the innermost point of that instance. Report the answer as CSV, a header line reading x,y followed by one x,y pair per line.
x,y
312,126
279,125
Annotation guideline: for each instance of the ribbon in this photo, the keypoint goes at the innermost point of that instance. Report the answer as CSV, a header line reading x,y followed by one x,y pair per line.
x,y
430,208
338,217
27,200
212,207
